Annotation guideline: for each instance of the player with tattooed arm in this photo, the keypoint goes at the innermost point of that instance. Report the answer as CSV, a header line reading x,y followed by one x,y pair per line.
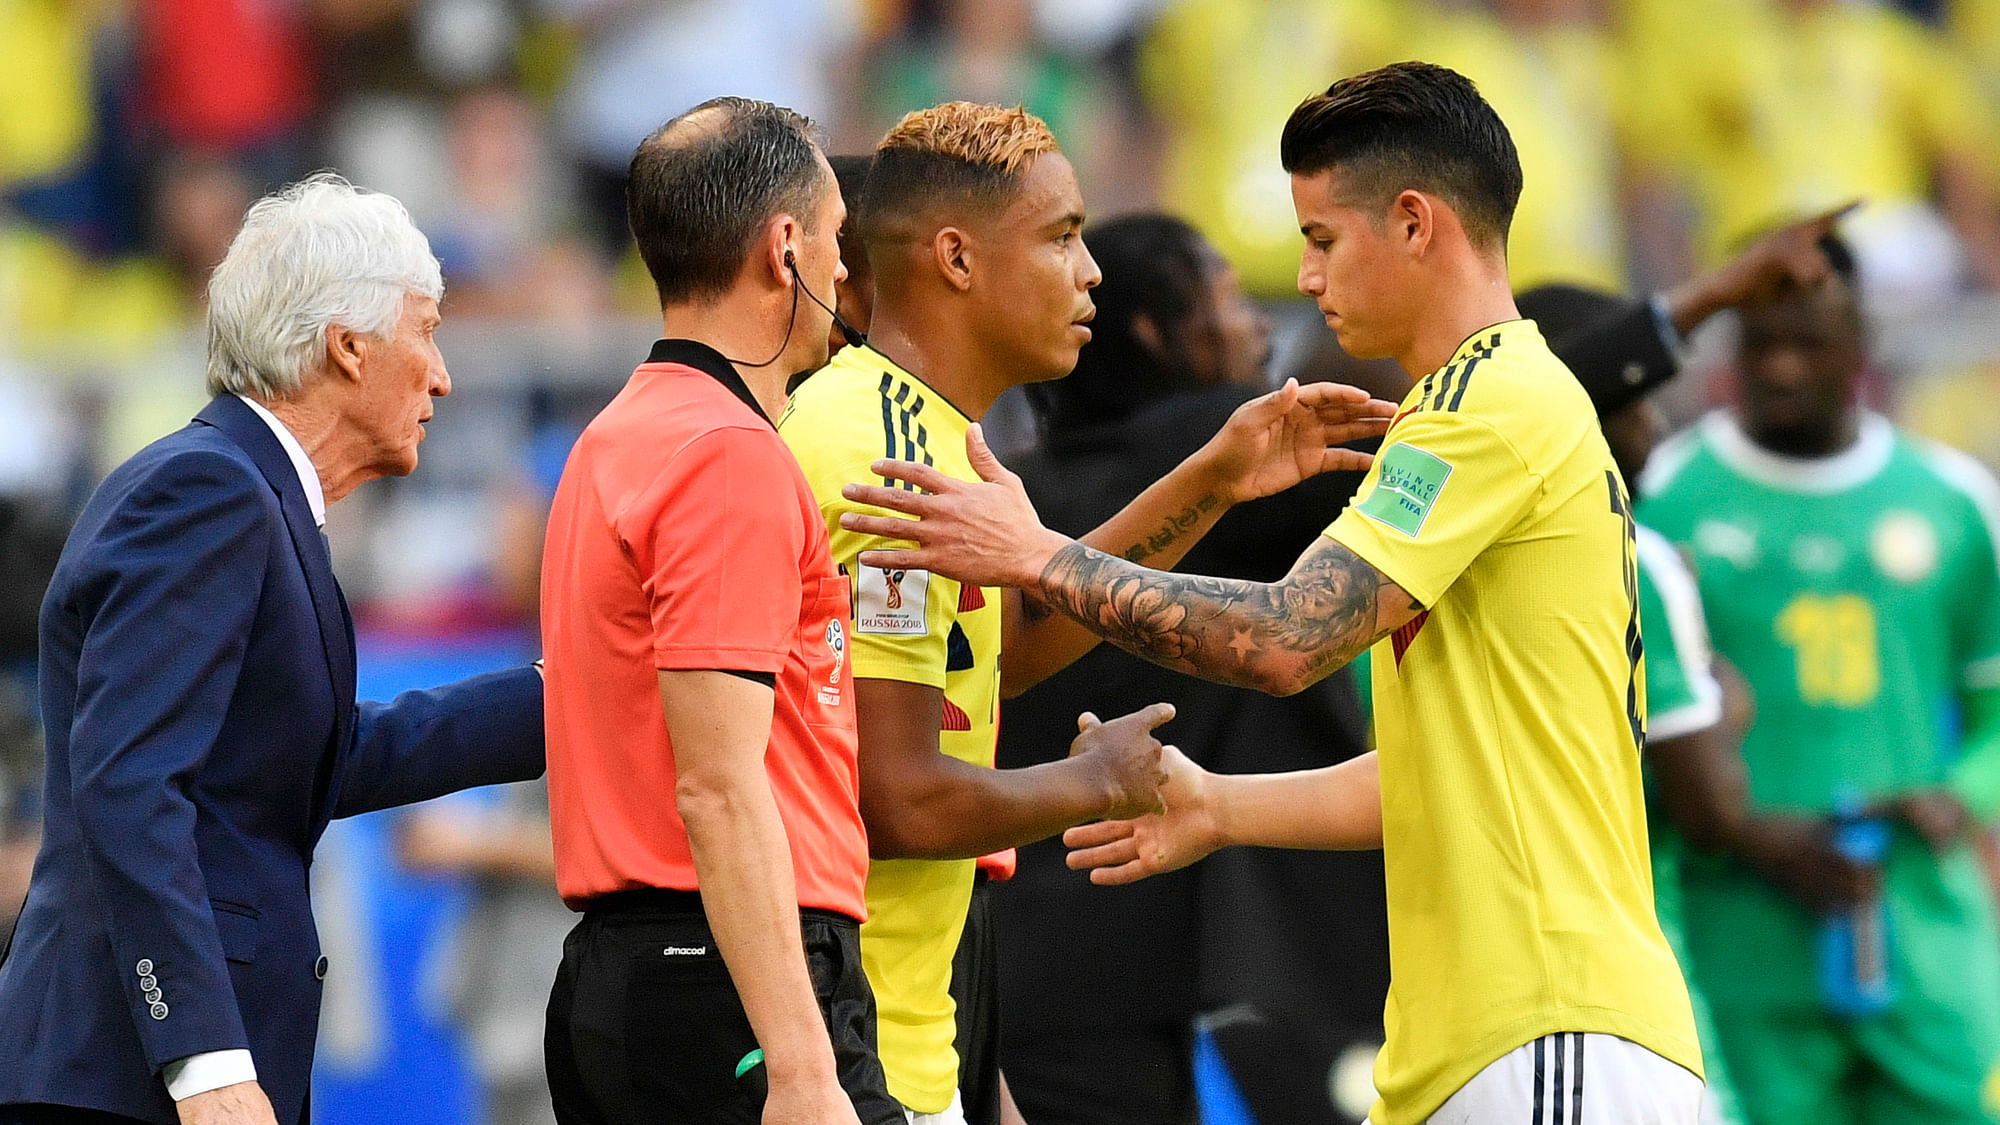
x,y
1490,553
973,222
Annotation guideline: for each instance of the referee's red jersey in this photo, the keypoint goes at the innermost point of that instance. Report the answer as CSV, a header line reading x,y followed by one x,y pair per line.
x,y
683,536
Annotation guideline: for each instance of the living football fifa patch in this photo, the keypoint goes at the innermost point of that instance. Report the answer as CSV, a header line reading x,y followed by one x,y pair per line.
x,y
892,602
1406,486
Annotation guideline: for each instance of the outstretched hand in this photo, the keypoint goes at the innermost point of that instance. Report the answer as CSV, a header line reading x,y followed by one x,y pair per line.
x,y
986,532
981,533
1276,440
1116,852
1788,256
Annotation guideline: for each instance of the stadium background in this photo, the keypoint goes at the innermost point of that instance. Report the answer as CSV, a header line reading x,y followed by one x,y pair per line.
x,y
1655,134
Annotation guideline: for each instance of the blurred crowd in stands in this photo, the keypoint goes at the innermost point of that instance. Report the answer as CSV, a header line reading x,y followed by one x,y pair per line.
x,y
1655,134
1656,137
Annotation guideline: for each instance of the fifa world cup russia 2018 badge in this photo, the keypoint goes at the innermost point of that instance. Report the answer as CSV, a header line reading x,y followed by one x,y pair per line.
x,y
836,644
892,602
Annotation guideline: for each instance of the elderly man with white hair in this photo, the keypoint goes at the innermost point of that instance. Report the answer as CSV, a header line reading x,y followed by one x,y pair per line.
x,y
197,683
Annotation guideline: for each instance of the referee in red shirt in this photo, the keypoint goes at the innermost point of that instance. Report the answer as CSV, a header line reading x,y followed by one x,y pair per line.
x,y
701,732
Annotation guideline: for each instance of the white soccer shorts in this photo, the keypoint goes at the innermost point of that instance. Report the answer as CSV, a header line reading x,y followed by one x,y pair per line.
x,y
953,1114
1576,1078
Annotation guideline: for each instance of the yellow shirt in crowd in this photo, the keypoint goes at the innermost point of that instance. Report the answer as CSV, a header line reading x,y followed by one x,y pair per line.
x,y
1562,92
45,110
1224,75
1775,116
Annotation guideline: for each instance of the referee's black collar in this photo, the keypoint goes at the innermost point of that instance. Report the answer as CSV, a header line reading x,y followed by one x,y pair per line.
x,y
708,361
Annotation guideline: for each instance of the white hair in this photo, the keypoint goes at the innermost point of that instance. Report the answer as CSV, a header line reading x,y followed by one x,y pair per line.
x,y
318,253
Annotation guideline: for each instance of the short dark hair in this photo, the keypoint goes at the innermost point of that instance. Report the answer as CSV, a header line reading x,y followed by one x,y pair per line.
x,y
1157,267
852,174
702,184
1412,126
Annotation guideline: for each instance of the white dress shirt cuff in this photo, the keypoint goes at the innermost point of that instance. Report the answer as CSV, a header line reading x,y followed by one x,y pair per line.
x,y
210,1070
1663,323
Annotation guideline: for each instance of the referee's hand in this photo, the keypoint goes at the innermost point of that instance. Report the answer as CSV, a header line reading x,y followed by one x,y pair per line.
x,y
981,533
1789,255
818,1100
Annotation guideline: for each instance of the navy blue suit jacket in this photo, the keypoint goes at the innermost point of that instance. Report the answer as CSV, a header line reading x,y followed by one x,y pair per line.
x,y
197,683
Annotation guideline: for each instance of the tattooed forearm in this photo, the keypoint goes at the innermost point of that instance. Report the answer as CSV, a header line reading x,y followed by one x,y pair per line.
x,y
1175,526
1273,636
1034,610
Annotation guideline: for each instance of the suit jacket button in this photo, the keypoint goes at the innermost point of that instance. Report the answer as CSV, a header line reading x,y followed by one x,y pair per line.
x,y
153,996
319,968
145,967
148,983
159,1010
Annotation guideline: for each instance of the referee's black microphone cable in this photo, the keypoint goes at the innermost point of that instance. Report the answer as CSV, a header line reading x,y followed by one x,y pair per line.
x,y
854,336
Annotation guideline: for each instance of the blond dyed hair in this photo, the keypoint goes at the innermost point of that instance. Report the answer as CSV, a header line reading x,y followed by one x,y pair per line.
x,y
997,138
945,162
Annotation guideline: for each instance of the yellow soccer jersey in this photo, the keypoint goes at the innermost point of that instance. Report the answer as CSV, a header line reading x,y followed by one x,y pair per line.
x,y
916,627
1509,718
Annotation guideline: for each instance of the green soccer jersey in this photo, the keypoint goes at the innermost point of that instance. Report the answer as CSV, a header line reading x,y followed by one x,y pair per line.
x,y
1858,594
1681,693
1682,697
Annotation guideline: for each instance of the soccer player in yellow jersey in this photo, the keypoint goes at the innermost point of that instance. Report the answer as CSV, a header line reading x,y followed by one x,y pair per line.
x,y
972,218
1489,561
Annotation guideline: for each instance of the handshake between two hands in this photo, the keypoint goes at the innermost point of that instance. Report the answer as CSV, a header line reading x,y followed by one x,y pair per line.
x,y
1157,817
1159,811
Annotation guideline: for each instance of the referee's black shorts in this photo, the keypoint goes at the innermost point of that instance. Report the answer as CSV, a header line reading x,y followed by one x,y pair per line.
x,y
975,986
645,1026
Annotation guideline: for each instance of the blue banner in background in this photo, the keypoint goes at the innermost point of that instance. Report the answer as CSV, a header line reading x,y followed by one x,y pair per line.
x,y
388,1051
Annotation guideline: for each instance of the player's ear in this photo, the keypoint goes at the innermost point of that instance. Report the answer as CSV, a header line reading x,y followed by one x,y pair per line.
x,y
952,251
1412,220
782,235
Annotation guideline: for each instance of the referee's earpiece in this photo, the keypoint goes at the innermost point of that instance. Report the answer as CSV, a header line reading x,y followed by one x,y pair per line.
x,y
854,336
